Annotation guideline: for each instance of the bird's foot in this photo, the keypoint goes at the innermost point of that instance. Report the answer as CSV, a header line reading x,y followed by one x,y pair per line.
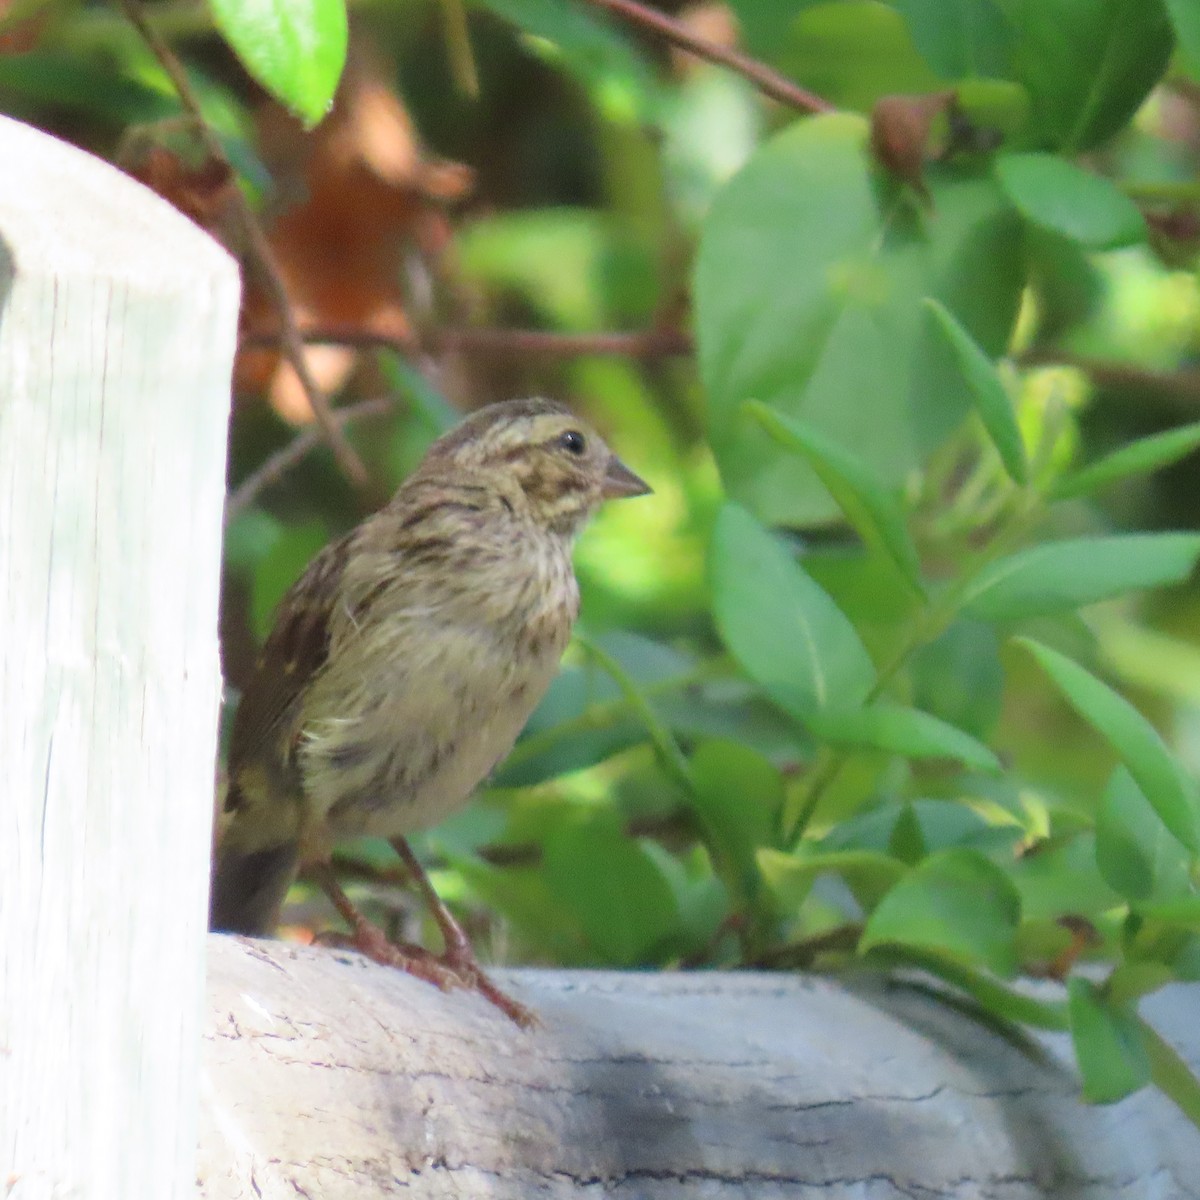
x,y
404,956
454,969
458,956
472,976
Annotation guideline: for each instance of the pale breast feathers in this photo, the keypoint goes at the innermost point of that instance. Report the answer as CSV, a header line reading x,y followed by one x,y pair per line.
x,y
428,700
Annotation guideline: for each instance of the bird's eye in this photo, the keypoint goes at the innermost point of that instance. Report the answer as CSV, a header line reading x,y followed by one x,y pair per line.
x,y
573,442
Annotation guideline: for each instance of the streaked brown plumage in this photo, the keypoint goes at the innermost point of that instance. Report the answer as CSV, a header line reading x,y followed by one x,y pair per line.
x,y
408,656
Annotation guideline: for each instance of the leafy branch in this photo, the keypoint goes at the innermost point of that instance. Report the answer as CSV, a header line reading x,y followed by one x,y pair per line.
x,y
768,81
257,247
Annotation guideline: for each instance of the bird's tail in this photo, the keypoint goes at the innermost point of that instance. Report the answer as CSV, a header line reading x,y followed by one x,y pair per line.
x,y
248,887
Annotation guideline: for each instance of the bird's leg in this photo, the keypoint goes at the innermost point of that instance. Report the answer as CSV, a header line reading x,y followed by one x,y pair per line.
x,y
375,944
458,955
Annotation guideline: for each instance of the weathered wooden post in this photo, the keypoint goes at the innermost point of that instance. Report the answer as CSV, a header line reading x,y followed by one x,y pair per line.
x,y
117,332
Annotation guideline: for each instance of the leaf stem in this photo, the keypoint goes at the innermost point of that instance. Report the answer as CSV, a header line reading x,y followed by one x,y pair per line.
x,y
608,712
673,760
825,769
988,992
1171,191
930,624
458,46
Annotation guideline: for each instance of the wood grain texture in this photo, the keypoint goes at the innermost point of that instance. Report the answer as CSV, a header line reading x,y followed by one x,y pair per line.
x,y
117,327
328,1077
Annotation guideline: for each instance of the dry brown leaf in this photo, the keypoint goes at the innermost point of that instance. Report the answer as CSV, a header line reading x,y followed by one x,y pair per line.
x,y
21,36
900,132
364,193
203,193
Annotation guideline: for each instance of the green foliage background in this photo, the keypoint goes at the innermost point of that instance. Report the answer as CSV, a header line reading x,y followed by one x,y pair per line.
x,y
899,666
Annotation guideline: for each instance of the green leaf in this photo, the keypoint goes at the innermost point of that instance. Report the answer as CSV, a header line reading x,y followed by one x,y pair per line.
x,y
1062,197
1130,981
1055,577
1136,854
1087,64
986,389
1163,783
1180,912
905,731
583,718
996,105
907,842
1170,1074
1059,877
738,795
56,79
579,723
295,48
958,677
700,900
623,901
1067,281
1185,963
1109,1045
618,78
956,901
249,538
530,906
1138,458
837,340
291,550
785,632
790,876
850,51
940,825
1185,18
872,509
960,38
576,268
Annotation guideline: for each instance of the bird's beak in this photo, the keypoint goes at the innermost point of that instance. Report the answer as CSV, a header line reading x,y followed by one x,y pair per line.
x,y
621,482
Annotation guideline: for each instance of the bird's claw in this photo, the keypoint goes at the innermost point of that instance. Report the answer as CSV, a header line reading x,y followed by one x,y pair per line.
x,y
455,969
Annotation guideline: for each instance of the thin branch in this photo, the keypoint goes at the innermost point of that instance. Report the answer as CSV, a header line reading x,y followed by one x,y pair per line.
x,y
638,343
533,343
273,469
768,81
1180,385
258,249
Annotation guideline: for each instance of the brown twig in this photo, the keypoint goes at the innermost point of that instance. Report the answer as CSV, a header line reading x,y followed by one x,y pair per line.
x,y
841,938
1180,385
644,343
648,343
272,470
768,81
258,250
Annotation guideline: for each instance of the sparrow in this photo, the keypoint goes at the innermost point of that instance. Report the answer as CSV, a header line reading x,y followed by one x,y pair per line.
x,y
402,665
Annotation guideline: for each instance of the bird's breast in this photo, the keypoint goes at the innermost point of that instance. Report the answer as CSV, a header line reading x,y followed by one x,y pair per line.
x,y
415,710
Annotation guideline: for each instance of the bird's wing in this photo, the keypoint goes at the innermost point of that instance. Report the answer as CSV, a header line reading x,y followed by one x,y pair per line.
x,y
294,651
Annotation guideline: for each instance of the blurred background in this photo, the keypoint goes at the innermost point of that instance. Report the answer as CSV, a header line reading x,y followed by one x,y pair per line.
x,y
507,199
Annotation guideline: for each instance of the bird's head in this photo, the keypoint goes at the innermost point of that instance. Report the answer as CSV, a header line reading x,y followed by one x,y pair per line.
x,y
539,458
